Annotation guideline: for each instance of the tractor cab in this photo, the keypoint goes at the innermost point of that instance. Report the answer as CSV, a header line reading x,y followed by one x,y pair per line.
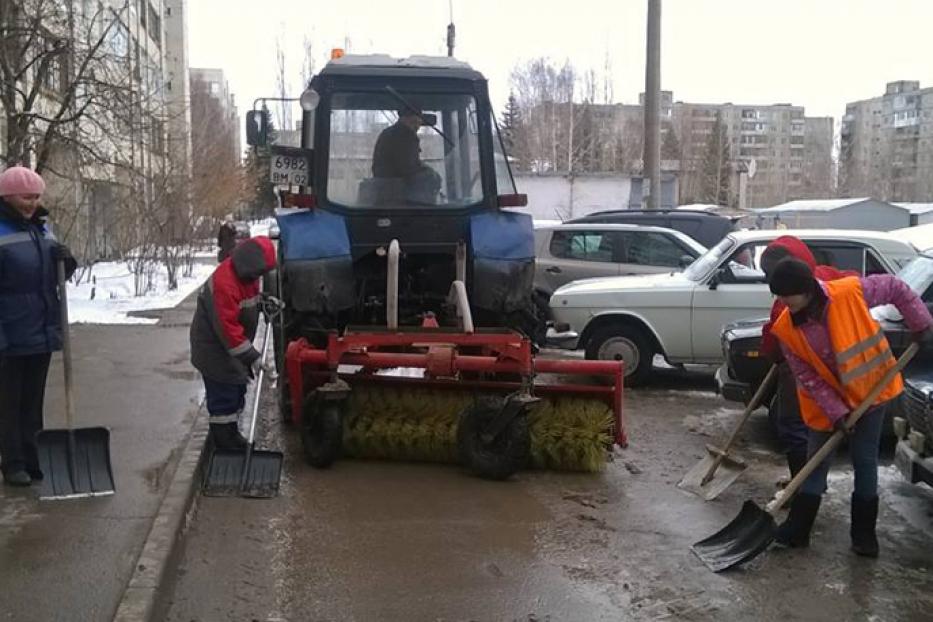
x,y
407,151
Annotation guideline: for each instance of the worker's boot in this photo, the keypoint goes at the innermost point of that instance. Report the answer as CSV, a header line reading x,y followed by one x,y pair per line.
x,y
864,517
795,530
227,436
17,478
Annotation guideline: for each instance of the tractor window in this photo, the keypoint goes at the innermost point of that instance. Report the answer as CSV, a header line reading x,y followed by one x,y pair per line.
x,y
391,149
504,181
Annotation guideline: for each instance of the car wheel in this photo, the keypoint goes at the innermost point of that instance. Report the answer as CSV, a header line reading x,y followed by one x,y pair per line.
x,y
620,342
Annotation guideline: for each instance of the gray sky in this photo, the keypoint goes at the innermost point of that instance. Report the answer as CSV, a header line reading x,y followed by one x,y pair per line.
x,y
816,53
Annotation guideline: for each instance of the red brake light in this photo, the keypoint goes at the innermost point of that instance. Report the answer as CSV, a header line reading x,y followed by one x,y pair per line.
x,y
308,201
513,200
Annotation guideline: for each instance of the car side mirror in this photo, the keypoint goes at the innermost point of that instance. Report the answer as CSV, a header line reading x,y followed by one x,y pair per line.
x,y
722,275
685,260
257,128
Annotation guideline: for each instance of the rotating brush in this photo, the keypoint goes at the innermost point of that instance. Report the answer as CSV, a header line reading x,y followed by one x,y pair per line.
x,y
567,433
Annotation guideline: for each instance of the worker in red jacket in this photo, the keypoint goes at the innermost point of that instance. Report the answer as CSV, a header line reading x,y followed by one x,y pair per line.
x,y
792,432
222,333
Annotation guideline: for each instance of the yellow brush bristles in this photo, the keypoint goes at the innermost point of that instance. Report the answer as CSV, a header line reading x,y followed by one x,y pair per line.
x,y
567,433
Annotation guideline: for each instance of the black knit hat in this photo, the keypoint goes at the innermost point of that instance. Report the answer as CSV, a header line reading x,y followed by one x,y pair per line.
x,y
792,276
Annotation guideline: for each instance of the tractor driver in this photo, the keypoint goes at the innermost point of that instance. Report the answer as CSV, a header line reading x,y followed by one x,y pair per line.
x,y
397,155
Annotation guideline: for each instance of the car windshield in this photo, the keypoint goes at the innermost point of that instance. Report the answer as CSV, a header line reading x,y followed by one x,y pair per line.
x,y
918,274
403,149
709,260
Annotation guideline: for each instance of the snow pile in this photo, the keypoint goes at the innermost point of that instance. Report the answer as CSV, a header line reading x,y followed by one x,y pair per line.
x,y
260,227
112,285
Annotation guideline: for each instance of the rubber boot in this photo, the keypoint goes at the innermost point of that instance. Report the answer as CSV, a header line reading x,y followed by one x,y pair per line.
x,y
227,436
864,517
794,532
17,478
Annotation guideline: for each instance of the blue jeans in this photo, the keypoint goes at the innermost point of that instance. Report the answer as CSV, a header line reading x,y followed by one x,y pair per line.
x,y
792,432
864,442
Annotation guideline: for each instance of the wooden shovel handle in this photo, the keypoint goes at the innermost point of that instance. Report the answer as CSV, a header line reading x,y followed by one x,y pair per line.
x,y
752,405
836,438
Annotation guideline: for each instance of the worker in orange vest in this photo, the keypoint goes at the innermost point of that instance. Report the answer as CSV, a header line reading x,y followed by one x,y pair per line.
x,y
838,354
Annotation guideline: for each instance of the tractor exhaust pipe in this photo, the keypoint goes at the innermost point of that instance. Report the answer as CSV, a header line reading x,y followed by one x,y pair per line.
x,y
392,286
458,294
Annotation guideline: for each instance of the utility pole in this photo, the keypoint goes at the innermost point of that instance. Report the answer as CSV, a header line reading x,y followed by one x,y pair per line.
x,y
451,31
652,113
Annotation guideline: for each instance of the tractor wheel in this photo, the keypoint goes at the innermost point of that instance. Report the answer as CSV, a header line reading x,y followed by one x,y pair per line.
x,y
501,456
321,431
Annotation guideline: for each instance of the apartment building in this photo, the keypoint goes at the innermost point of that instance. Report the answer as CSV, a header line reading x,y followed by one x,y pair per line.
x,y
119,57
886,145
219,111
787,154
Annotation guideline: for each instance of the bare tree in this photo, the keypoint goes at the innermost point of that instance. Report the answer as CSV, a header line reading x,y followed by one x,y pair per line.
x,y
57,70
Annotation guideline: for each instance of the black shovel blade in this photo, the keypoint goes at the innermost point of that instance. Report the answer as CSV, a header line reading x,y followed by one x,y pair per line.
x,y
86,474
224,473
263,475
743,539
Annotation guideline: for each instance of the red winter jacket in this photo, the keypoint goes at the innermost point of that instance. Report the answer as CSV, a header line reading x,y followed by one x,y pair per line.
x,y
797,248
225,321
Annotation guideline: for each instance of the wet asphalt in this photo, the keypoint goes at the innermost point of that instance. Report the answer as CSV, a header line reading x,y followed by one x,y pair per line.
x,y
370,540
70,560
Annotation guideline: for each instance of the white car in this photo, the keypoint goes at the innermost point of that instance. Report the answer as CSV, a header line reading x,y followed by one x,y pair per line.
x,y
680,314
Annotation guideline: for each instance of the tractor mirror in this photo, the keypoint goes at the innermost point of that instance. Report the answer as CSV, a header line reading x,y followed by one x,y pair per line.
x,y
257,128
429,119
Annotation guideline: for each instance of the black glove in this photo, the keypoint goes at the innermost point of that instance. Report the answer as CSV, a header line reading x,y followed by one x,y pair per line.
x,y
924,338
248,359
60,252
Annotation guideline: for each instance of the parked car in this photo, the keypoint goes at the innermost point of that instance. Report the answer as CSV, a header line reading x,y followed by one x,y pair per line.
x,y
565,253
681,315
913,424
744,368
704,227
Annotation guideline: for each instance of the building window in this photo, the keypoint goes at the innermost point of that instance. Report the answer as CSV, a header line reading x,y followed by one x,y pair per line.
x,y
215,88
155,26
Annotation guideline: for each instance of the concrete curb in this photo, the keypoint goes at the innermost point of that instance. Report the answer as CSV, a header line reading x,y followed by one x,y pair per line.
x,y
138,603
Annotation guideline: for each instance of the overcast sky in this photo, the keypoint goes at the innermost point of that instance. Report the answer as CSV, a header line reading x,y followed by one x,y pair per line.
x,y
816,53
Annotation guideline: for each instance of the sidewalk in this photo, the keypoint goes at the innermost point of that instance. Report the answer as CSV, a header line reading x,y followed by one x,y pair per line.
x,y
71,560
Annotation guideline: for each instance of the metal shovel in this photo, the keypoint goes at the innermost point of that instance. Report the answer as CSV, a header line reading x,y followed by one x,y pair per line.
x,y
248,472
717,470
75,461
753,529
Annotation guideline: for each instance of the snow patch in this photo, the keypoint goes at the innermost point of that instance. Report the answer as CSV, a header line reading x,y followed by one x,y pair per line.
x,y
109,296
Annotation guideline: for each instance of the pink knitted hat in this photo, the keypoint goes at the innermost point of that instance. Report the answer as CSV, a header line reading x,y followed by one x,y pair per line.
x,y
20,180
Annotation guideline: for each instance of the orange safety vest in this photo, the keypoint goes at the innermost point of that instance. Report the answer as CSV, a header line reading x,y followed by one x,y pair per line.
x,y
863,355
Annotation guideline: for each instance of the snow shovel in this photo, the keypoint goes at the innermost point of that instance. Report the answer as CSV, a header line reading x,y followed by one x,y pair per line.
x,y
753,529
716,472
248,472
75,461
